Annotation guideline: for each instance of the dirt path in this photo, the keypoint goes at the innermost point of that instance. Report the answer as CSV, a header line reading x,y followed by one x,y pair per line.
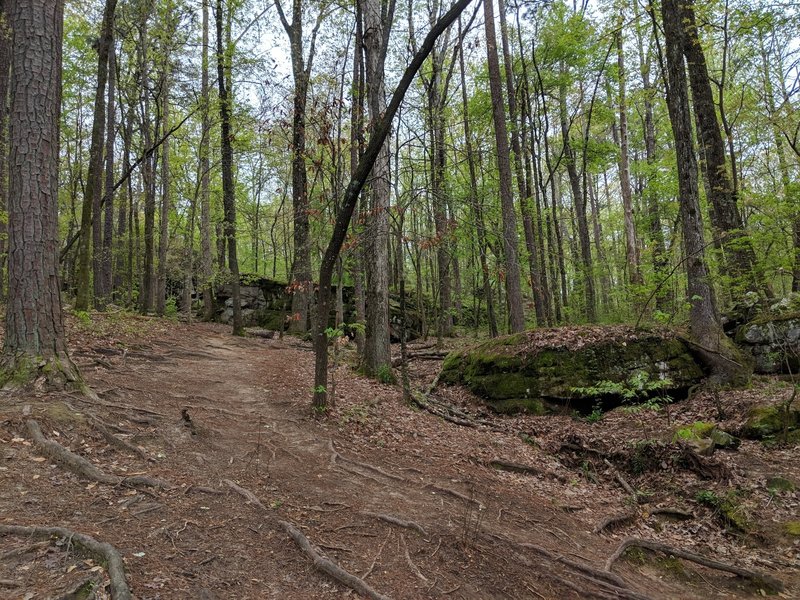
x,y
397,497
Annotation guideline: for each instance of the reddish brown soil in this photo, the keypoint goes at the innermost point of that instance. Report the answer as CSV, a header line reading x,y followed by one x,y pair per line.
x,y
207,407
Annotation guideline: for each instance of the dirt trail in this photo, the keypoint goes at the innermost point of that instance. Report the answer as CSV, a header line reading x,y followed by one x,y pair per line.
x,y
395,496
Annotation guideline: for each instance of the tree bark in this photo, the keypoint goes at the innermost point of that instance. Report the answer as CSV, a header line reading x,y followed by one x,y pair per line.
x,y
163,217
106,256
5,73
34,341
206,259
512,276
378,16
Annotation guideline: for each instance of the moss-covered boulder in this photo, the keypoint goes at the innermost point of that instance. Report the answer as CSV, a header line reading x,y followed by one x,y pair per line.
x,y
705,437
576,365
765,421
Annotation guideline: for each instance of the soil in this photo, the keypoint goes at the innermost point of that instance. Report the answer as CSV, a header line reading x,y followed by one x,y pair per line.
x,y
410,503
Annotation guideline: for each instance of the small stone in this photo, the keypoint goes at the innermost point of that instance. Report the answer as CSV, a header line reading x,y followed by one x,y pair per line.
x,y
723,439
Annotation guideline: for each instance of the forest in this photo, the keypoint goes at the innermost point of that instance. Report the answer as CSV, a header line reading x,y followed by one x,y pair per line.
x,y
322,299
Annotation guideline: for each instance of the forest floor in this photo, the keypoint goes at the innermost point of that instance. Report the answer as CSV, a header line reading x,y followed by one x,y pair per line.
x,y
408,503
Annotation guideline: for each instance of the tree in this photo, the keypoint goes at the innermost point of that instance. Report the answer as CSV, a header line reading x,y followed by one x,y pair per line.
x,y
5,73
228,192
301,284
357,180
35,343
711,344
378,16
512,276
91,228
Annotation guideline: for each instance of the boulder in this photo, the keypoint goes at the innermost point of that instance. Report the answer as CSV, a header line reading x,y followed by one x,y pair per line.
x,y
704,438
530,370
773,341
766,421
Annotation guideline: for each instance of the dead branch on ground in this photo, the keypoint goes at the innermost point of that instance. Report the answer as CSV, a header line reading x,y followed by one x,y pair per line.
x,y
102,551
329,567
758,578
245,493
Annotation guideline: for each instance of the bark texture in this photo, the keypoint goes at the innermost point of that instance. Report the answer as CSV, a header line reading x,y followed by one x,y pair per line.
x,y
34,329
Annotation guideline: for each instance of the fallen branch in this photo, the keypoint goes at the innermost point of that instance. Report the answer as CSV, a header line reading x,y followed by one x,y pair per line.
x,y
615,521
397,521
329,567
103,551
767,581
620,479
81,466
673,512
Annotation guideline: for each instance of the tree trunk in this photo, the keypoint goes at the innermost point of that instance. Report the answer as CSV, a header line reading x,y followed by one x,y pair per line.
x,y
106,256
725,216
475,205
579,202
378,18
523,185
91,229
148,172
513,287
163,217
5,73
206,259
631,248
714,349
228,192
380,131
34,342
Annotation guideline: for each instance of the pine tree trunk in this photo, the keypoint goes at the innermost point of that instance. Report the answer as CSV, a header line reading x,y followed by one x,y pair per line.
x,y
163,217
106,257
34,341
206,259
5,73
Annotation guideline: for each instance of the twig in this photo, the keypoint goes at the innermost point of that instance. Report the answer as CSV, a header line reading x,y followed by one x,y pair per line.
x,y
103,551
329,567
759,578
375,560
620,479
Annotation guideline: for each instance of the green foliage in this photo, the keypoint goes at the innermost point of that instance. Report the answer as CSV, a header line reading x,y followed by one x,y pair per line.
x,y
84,318
384,374
171,308
639,386
596,415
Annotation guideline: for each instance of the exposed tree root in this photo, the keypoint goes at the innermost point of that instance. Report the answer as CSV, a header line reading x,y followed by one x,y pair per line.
x,y
115,441
512,467
620,479
450,413
673,512
452,493
414,568
615,521
79,465
102,551
329,567
397,521
335,456
245,493
767,581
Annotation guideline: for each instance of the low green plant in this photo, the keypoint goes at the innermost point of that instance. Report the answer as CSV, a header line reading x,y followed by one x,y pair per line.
x,y
171,308
84,318
596,415
384,374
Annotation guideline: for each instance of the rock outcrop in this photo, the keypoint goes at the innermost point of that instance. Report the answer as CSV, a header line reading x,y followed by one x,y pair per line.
x,y
578,366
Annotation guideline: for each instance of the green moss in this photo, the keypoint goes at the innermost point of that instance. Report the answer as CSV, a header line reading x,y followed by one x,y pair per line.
x,y
699,429
533,406
765,421
792,528
727,509
780,484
